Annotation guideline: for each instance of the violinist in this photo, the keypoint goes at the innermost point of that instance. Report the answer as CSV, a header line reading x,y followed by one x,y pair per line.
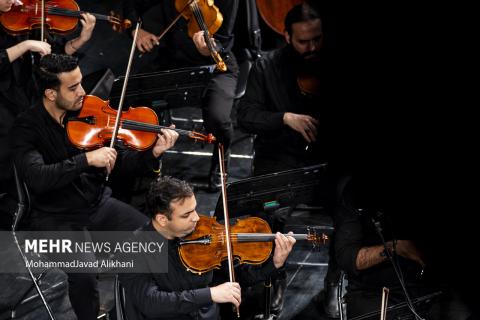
x,y
274,108
17,89
292,127
181,294
67,185
177,50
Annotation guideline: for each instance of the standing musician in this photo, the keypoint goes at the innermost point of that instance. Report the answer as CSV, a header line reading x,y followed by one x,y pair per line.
x,y
17,90
177,50
67,184
179,293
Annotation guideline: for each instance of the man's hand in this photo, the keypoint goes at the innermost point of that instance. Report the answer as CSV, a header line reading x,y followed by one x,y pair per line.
x,y
407,249
145,40
165,141
38,46
306,125
102,158
283,247
88,24
227,292
199,41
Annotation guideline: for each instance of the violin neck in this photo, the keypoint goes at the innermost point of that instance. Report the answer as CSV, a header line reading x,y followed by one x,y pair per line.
x,y
264,237
141,126
74,13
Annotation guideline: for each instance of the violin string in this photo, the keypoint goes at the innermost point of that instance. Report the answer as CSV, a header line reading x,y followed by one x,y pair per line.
x,y
254,237
153,127
202,24
199,16
52,9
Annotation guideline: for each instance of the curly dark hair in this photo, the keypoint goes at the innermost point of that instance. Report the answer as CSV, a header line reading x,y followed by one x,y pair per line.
x,y
163,192
50,66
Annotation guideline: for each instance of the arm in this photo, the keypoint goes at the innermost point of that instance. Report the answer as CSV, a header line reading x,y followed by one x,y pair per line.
x,y
135,162
21,48
255,115
88,24
254,274
353,256
41,177
153,302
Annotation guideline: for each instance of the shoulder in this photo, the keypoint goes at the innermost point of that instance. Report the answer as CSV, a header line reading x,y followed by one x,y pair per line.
x,y
272,59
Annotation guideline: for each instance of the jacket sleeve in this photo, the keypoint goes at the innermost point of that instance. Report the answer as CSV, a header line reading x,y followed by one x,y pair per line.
x,y
254,113
145,295
348,238
135,163
42,177
4,61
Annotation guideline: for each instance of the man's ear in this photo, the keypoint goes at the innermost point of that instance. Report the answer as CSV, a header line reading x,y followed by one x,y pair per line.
x,y
51,94
161,219
287,37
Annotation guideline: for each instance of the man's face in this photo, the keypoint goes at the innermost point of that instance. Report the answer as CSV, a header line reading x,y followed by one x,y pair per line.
x,y
6,5
184,217
306,37
69,95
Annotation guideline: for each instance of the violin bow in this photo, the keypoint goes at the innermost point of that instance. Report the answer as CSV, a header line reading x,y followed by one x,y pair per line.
x,y
383,310
226,218
42,22
179,15
124,89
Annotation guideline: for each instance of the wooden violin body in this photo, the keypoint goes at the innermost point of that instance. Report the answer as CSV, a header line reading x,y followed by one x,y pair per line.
x,y
251,239
210,249
212,18
61,17
24,18
93,127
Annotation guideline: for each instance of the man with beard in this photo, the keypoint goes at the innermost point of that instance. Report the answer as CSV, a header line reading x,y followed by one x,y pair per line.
x,y
67,185
179,293
288,106
274,107
17,89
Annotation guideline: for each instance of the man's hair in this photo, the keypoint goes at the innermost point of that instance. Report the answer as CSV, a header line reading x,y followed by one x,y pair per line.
x,y
300,13
50,66
163,192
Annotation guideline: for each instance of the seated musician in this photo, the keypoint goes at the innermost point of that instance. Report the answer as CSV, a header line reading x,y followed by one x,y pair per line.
x,y
179,293
17,90
366,210
293,128
67,185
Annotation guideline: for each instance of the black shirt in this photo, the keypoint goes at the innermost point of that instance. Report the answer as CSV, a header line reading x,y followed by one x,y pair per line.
x,y
177,49
177,294
272,90
56,173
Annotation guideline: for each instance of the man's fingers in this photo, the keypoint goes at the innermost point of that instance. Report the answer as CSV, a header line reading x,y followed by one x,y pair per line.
x,y
305,135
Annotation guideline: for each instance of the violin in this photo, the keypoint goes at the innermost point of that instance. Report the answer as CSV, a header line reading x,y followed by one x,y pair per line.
x,y
309,75
61,17
202,15
94,126
251,239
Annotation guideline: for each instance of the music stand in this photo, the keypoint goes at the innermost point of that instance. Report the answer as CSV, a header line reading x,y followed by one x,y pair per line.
x,y
269,194
308,185
165,89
